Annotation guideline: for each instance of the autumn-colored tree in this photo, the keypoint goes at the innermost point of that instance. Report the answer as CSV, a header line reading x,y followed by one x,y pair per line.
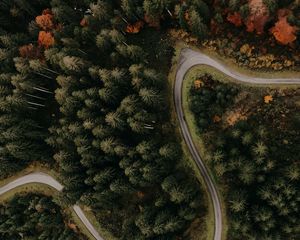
x,y
30,51
45,39
235,18
135,28
268,98
283,32
45,21
258,16
84,22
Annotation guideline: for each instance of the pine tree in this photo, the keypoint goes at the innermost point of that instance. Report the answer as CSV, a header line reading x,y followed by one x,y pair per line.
x,y
100,10
129,104
198,28
271,4
150,97
115,120
73,64
260,149
108,145
238,202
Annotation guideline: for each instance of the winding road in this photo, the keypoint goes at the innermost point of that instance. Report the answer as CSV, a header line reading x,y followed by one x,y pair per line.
x,y
42,178
188,59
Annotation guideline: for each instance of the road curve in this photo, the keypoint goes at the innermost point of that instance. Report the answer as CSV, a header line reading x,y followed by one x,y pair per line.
x,y
43,178
188,59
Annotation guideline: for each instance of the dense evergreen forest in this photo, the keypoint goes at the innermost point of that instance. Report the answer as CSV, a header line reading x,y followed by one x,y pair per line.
x,y
34,216
256,156
83,89
76,87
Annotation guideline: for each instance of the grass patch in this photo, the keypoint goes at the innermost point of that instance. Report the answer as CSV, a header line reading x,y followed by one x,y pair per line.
x,y
32,187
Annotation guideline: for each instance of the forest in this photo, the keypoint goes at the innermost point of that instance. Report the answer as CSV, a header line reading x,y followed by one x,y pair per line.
x,y
84,100
34,216
254,149
83,90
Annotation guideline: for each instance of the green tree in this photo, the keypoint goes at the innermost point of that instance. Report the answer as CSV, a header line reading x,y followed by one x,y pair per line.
x,y
71,63
293,172
197,27
129,104
247,173
150,97
108,145
234,4
238,202
247,138
260,149
101,10
272,5
115,120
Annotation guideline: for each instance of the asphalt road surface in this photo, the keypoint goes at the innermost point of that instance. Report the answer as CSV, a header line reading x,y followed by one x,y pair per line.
x,y
188,59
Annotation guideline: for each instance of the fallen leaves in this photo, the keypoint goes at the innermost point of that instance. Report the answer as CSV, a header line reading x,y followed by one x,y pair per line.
x,y
235,116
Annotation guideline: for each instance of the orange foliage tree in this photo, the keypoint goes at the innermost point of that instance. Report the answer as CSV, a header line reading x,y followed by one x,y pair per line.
x,y
135,28
283,32
46,39
84,22
258,17
47,24
45,21
235,18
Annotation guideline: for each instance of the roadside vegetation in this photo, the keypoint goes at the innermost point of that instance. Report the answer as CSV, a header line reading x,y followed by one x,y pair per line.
x,y
83,90
252,140
35,216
